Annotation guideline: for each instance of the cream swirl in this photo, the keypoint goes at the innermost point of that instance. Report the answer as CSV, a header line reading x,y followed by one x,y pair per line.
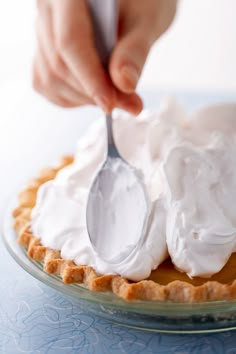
x,y
189,172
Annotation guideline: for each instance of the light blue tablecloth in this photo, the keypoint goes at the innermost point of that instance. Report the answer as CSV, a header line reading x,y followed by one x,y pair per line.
x,y
34,318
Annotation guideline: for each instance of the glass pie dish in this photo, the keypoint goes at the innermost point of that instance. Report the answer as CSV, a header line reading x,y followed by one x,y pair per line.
x,y
214,316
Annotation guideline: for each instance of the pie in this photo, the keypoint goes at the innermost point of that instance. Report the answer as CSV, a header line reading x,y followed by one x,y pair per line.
x,y
164,284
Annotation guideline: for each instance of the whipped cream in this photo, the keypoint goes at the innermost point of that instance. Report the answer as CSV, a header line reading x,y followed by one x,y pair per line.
x,y
188,169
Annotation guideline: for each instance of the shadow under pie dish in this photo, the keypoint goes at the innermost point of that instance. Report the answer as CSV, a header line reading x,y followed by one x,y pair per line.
x,y
164,284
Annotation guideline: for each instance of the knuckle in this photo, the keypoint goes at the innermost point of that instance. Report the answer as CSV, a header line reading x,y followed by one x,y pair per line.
x,y
57,64
69,38
43,77
43,81
64,39
48,79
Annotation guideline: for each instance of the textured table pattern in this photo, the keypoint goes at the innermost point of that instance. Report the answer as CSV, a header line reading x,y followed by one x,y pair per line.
x,y
35,319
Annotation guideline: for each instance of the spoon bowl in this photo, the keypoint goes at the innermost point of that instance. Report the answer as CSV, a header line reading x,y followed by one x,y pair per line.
x,y
117,209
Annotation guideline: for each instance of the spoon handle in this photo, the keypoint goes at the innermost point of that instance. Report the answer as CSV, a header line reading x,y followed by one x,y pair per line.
x,y
104,17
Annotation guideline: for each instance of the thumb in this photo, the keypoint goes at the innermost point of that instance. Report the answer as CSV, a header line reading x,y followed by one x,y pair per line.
x,y
128,58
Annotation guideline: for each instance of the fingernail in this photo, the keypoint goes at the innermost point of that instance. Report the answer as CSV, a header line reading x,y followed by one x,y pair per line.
x,y
131,74
102,102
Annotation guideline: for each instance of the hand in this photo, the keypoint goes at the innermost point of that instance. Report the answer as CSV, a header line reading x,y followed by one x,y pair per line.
x,y
67,69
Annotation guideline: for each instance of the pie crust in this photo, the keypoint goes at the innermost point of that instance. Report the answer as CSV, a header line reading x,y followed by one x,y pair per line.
x,y
164,284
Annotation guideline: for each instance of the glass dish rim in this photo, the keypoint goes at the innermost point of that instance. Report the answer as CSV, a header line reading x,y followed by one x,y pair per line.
x,y
106,299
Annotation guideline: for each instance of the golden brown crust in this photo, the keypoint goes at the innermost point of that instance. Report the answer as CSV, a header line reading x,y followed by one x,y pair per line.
x,y
175,291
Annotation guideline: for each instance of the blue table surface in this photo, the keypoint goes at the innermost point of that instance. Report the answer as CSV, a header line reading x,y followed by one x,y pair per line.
x,y
36,319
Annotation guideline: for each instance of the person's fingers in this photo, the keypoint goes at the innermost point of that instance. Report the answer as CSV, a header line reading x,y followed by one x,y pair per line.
x,y
129,102
45,82
140,26
68,70
128,60
45,38
59,101
75,42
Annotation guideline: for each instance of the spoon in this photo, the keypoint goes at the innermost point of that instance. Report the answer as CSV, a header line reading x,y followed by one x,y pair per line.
x,y
117,206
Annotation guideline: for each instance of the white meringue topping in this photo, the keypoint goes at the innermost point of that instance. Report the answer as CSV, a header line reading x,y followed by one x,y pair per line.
x,y
189,170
